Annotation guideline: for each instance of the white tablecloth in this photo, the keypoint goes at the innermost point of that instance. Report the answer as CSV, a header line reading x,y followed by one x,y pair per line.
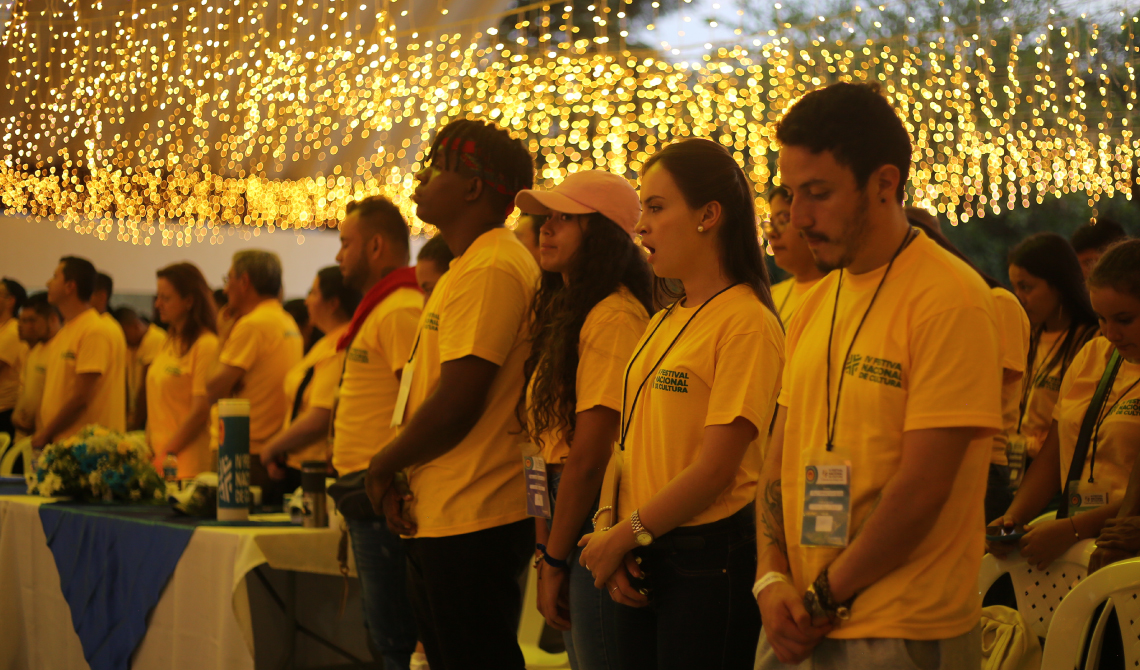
x,y
203,619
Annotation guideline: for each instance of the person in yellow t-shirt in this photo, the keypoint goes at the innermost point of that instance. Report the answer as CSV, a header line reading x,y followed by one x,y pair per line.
x,y
791,253
873,488
1047,279
432,261
85,381
460,442
13,351
263,345
39,322
591,309
144,341
698,396
311,385
1099,493
373,258
177,401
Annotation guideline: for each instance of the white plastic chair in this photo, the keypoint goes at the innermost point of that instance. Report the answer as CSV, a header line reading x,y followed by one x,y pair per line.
x,y
1118,587
5,442
1039,592
530,630
8,461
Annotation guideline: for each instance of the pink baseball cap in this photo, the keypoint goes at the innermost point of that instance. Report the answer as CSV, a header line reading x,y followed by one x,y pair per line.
x,y
587,192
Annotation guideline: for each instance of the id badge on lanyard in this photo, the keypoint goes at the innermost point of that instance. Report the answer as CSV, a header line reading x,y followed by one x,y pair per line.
x,y
1086,496
1016,453
827,502
537,486
402,397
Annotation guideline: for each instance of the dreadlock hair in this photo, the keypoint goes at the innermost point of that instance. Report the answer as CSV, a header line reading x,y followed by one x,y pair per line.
x,y
1050,257
606,260
481,149
704,171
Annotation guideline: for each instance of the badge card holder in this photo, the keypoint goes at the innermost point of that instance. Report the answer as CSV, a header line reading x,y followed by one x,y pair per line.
x,y
1016,453
827,504
537,486
1086,496
402,397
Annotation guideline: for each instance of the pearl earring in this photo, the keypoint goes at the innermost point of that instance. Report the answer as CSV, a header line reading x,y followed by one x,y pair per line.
x,y
700,229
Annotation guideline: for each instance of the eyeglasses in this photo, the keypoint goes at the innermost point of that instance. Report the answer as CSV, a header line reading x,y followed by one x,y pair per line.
x,y
775,226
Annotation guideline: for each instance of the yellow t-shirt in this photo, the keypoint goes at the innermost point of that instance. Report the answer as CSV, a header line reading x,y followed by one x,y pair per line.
x,y
138,359
607,340
369,386
928,356
1118,439
326,363
13,351
788,295
481,307
172,382
32,388
1013,331
266,344
725,365
87,343
1044,385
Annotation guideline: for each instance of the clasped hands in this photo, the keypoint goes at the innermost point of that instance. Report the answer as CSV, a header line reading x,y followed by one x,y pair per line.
x,y
792,631
608,555
1119,539
389,493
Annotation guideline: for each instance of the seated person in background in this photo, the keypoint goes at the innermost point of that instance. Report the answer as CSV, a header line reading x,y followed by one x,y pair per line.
x,y
13,351
85,380
1093,239
1098,493
300,313
263,345
432,262
527,230
311,385
101,296
144,341
39,322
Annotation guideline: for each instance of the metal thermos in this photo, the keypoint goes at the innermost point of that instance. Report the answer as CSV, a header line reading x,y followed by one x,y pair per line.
x,y
313,475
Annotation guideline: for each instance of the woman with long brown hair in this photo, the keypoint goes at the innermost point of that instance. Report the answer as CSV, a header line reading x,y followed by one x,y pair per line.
x,y
176,381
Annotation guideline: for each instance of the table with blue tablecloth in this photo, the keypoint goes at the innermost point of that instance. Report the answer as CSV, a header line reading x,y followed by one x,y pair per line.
x,y
136,586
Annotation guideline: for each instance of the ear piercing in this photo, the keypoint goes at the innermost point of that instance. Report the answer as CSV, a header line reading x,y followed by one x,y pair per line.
x,y
700,229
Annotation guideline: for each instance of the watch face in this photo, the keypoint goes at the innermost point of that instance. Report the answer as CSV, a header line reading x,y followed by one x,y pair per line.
x,y
644,539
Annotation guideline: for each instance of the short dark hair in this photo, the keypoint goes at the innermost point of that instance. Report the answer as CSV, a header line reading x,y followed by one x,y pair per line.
x,y
484,150
856,124
38,303
16,290
778,191
125,316
436,251
103,282
383,218
82,272
332,285
1097,235
297,309
1119,269
220,297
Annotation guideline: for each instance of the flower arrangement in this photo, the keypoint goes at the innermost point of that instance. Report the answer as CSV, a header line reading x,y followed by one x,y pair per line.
x,y
98,464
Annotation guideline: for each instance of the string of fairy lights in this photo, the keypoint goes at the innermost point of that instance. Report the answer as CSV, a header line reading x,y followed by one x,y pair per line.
x,y
168,124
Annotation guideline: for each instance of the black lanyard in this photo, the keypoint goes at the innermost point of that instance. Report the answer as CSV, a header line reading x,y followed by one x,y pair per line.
x,y
833,421
625,424
1099,420
1033,379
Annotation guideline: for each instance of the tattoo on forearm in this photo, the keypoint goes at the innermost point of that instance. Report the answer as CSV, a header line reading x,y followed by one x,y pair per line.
x,y
773,516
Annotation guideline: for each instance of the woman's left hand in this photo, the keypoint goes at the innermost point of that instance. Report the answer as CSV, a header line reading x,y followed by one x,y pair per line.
x,y
1046,541
605,550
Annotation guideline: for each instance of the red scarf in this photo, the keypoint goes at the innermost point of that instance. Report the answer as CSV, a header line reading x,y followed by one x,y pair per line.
x,y
396,279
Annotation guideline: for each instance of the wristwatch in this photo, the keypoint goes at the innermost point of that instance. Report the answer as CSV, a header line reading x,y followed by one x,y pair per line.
x,y
643,536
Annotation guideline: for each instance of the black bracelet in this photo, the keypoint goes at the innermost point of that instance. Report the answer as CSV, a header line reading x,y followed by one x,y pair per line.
x,y
550,560
822,586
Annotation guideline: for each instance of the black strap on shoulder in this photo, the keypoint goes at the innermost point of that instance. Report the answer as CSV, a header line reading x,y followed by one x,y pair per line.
x,y
1081,450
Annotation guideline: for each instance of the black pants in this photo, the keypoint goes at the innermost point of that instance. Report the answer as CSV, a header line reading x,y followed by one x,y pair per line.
x,y
467,598
701,612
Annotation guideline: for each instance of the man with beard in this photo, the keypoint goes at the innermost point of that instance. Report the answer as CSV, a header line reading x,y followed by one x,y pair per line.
x,y
373,258
890,400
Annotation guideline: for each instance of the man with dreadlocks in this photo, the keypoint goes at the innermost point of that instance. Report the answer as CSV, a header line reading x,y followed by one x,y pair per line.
x,y
462,507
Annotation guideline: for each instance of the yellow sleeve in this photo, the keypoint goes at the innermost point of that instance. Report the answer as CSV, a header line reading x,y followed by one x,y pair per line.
x,y
94,351
205,353
326,379
955,377
242,346
10,349
746,379
482,316
606,348
1085,359
397,331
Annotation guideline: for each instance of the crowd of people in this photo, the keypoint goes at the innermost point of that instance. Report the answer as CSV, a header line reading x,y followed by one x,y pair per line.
x,y
705,469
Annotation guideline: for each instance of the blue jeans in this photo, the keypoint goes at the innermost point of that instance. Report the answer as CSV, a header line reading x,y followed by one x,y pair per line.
x,y
591,642
382,568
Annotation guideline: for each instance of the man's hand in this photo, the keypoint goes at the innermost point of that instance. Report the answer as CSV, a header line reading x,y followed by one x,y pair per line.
x,y
1121,533
391,504
554,596
787,624
1103,557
